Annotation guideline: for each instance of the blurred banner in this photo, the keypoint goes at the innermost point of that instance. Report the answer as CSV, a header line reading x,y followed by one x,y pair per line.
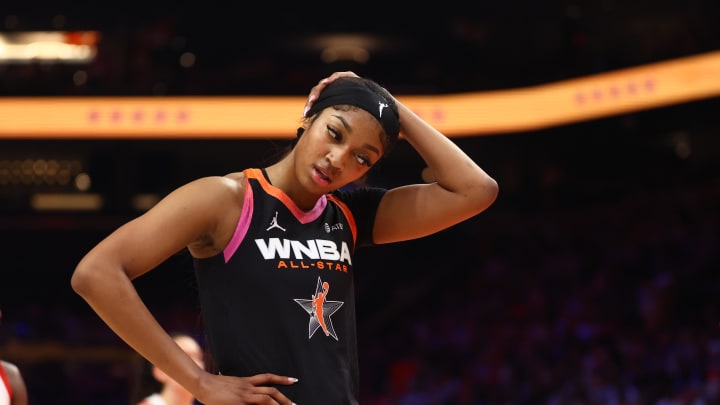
x,y
457,115
75,47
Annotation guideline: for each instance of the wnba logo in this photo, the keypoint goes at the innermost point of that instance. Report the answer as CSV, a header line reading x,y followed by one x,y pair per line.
x,y
315,249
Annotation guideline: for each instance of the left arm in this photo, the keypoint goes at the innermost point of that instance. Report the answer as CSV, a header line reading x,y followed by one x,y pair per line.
x,y
460,188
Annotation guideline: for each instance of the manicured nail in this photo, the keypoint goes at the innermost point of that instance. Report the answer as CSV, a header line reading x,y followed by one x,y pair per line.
x,y
305,111
293,379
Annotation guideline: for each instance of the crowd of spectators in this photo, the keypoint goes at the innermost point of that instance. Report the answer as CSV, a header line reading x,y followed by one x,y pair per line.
x,y
611,304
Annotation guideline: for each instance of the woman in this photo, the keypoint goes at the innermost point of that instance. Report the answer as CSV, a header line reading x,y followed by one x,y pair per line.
x,y
268,242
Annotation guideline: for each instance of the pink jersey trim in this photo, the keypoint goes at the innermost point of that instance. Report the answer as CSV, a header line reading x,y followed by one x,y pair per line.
x,y
243,224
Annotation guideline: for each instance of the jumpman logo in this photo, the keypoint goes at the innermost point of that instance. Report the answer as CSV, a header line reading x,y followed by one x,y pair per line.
x,y
274,223
320,310
382,105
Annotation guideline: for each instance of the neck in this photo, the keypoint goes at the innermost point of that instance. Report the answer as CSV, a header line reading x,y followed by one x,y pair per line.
x,y
282,175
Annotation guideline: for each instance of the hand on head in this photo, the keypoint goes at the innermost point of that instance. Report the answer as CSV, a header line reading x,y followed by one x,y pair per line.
x,y
318,88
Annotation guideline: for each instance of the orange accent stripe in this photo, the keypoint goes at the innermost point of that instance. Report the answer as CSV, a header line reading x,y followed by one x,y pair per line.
x,y
348,214
302,216
275,192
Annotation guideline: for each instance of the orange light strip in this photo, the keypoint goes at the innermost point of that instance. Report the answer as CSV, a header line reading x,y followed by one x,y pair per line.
x,y
470,114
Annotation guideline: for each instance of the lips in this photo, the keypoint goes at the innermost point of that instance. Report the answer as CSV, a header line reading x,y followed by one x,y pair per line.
x,y
321,176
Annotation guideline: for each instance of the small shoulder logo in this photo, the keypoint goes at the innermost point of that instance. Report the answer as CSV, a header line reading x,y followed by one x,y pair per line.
x,y
274,223
382,106
329,228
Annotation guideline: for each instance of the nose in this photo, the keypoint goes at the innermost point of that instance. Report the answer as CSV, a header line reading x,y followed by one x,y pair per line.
x,y
337,156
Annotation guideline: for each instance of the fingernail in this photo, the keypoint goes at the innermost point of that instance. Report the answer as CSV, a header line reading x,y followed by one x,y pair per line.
x,y
293,379
305,111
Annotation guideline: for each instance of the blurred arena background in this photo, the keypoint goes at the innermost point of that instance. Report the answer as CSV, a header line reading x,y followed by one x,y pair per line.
x,y
592,280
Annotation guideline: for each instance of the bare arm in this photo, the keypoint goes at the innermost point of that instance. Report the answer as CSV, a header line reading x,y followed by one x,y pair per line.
x,y
104,276
460,190
189,216
17,384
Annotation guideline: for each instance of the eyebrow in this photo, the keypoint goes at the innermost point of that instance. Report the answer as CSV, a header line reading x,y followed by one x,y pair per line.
x,y
349,129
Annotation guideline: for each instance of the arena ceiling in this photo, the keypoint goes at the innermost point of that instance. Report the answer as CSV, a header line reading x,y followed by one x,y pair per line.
x,y
271,50
268,49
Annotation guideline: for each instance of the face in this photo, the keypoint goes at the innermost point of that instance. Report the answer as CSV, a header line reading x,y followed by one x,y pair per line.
x,y
338,148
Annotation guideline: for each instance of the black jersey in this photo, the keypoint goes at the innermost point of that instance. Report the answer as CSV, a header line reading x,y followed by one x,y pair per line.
x,y
280,297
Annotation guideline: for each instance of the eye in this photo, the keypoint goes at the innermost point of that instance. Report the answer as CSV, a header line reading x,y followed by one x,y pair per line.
x,y
363,160
333,133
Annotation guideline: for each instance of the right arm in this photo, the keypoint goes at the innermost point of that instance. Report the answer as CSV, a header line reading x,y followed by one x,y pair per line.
x,y
188,216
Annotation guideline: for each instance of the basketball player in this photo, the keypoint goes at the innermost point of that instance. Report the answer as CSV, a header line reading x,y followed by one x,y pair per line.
x,y
271,244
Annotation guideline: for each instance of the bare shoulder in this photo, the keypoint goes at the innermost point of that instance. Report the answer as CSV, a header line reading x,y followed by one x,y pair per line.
x,y
10,368
231,179
236,176
212,187
221,202
17,383
235,182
